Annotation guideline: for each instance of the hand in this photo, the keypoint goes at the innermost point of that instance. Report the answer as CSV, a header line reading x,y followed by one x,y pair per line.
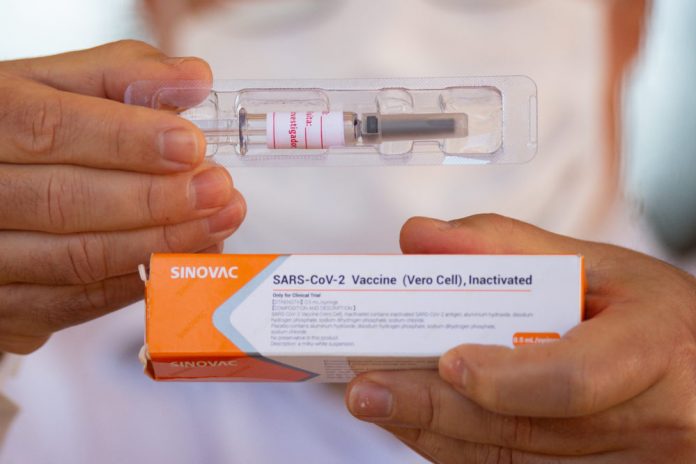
x,y
89,187
619,388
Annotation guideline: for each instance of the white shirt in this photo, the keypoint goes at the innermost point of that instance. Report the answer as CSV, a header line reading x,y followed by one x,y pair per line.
x,y
84,398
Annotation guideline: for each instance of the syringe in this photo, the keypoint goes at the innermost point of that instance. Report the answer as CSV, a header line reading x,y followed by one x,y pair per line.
x,y
314,130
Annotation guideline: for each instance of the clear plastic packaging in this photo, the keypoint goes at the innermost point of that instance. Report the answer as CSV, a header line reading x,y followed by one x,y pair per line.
x,y
450,121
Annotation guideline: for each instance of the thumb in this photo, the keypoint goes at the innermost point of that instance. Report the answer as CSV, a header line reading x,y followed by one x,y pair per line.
x,y
485,234
499,235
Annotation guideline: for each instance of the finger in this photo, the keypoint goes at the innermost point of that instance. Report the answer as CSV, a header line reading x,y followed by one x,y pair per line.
x,y
86,258
495,234
441,449
422,400
42,125
61,199
214,249
107,71
599,364
394,431
487,234
30,313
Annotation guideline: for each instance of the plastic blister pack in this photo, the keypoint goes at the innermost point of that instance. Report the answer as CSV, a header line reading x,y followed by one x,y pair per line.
x,y
450,121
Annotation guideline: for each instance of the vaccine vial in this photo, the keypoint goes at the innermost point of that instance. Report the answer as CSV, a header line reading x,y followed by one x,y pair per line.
x,y
319,130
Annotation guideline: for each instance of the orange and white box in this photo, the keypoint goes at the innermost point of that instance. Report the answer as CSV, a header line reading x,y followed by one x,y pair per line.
x,y
325,318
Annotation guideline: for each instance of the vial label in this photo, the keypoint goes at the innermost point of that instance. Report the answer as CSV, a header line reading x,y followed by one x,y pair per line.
x,y
305,130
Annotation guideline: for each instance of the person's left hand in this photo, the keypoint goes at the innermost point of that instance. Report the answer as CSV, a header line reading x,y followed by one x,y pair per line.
x,y
620,388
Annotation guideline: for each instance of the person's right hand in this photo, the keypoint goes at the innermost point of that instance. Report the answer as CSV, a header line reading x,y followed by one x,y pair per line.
x,y
89,187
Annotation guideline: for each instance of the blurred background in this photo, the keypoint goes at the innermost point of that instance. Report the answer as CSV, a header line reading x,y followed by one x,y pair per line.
x,y
43,27
657,191
660,127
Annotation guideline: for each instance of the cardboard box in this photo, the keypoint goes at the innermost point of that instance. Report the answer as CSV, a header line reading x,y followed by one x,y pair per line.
x,y
327,317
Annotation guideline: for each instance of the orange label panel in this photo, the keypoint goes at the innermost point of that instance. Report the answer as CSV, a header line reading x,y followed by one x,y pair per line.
x,y
531,338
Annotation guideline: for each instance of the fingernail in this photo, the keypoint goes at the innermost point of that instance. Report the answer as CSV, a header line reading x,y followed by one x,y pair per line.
x,y
175,60
226,219
367,399
440,224
454,371
443,225
179,146
211,188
